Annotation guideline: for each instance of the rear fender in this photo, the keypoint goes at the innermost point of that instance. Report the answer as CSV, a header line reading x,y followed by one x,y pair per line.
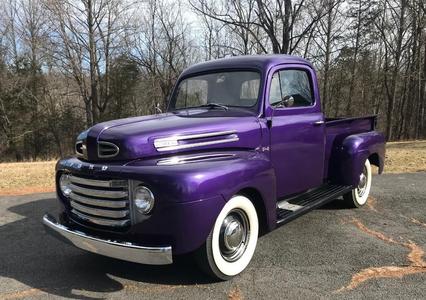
x,y
355,150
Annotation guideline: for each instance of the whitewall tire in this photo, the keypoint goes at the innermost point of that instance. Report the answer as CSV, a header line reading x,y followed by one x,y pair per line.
x,y
358,196
232,241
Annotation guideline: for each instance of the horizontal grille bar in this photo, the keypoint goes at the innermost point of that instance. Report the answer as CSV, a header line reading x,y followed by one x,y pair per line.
x,y
101,221
116,214
99,183
98,193
99,202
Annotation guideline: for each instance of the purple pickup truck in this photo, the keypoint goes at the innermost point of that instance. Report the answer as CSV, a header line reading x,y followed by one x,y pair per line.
x,y
242,149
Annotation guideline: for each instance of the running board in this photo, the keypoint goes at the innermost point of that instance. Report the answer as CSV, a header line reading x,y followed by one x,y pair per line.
x,y
290,209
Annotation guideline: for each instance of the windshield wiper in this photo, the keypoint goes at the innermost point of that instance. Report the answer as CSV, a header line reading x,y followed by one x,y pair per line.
x,y
215,105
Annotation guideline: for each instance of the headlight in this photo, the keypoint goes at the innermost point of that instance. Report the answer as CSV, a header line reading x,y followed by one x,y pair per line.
x,y
64,184
143,199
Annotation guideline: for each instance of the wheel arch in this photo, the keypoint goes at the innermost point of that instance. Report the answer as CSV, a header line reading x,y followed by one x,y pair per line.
x,y
355,150
256,198
375,160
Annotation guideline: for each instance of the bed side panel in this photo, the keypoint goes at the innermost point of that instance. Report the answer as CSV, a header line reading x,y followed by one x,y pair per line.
x,y
336,131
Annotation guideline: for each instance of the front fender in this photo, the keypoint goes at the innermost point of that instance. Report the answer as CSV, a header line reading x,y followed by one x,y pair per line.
x,y
189,196
355,150
181,183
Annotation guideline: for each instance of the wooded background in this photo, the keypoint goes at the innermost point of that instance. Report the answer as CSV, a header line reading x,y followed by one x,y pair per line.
x,y
65,65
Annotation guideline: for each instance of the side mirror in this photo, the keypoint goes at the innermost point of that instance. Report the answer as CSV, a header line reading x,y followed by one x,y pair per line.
x,y
288,101
157,108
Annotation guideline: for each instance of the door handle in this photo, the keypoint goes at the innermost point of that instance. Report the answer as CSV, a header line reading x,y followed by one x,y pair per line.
x,y
320,122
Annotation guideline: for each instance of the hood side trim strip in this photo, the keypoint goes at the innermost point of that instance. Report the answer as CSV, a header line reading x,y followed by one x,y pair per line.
x,y
189,159
172,143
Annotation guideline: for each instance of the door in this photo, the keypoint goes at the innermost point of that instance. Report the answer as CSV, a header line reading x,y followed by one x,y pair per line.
x,y
297,138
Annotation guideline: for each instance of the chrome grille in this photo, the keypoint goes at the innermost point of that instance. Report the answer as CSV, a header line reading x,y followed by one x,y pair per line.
x,y
107,150
101,202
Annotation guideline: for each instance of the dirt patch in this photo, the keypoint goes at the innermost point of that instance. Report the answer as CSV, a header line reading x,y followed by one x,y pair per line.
x,y
22,294
405,157
27,178
235,294
372,203
415,257
415,221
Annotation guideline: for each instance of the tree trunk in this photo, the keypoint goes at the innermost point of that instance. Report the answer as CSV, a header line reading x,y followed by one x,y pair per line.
x,y
354,60
93,61
395,71
327,61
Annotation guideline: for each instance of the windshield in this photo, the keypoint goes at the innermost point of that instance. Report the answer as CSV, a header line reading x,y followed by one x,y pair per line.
x,y
218,90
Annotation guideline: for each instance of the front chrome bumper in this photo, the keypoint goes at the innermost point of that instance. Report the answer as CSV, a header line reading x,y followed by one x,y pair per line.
x,y
121,250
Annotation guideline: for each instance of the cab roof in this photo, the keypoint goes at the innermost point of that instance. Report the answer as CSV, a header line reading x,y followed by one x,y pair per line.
x,y
259,62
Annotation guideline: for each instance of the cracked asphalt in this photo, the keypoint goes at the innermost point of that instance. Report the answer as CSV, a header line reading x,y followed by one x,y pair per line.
x,y
333,252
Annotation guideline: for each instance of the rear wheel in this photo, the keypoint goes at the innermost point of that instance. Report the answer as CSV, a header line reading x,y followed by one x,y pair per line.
x,y
232,241
359,195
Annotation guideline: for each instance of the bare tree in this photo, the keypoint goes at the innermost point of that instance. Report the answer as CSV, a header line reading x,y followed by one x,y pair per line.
x,y
67,64
88,34
394,38
362,15
161,46
328,33
279,21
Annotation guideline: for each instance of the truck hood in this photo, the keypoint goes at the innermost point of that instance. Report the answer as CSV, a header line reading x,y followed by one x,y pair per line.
x,y
163,134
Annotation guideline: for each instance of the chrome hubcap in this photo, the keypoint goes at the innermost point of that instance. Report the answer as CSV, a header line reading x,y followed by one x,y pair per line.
x,y
234,234
362,186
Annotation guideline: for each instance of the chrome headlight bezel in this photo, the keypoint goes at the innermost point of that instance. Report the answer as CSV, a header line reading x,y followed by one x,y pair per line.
x,y
143,199
64,183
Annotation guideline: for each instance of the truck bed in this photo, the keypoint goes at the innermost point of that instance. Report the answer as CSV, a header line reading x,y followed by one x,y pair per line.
x,y
337,129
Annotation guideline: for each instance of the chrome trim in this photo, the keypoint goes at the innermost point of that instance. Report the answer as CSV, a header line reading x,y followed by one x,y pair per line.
x,y
172,143
117,149
115,214
98,193
151,195
176,160
289,206
79,154
116,249
101,221
201,144
99,183
101,202
98,202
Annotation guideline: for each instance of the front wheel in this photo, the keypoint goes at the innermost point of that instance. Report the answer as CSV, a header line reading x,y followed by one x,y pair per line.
x,y
232,240
359,195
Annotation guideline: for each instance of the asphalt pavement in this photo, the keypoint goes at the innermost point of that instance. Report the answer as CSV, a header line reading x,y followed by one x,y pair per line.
x,y
334,252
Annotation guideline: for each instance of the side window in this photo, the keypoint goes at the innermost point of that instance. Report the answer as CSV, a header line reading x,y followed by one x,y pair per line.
x,y
293,85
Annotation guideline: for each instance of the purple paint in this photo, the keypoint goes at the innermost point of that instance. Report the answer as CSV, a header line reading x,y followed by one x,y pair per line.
x,y
279,152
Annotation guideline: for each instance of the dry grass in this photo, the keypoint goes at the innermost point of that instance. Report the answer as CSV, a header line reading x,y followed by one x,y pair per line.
x,y
38,177
405,157
26,178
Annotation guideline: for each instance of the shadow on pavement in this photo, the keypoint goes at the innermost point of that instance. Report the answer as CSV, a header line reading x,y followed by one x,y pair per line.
x,y
30,256
336,204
